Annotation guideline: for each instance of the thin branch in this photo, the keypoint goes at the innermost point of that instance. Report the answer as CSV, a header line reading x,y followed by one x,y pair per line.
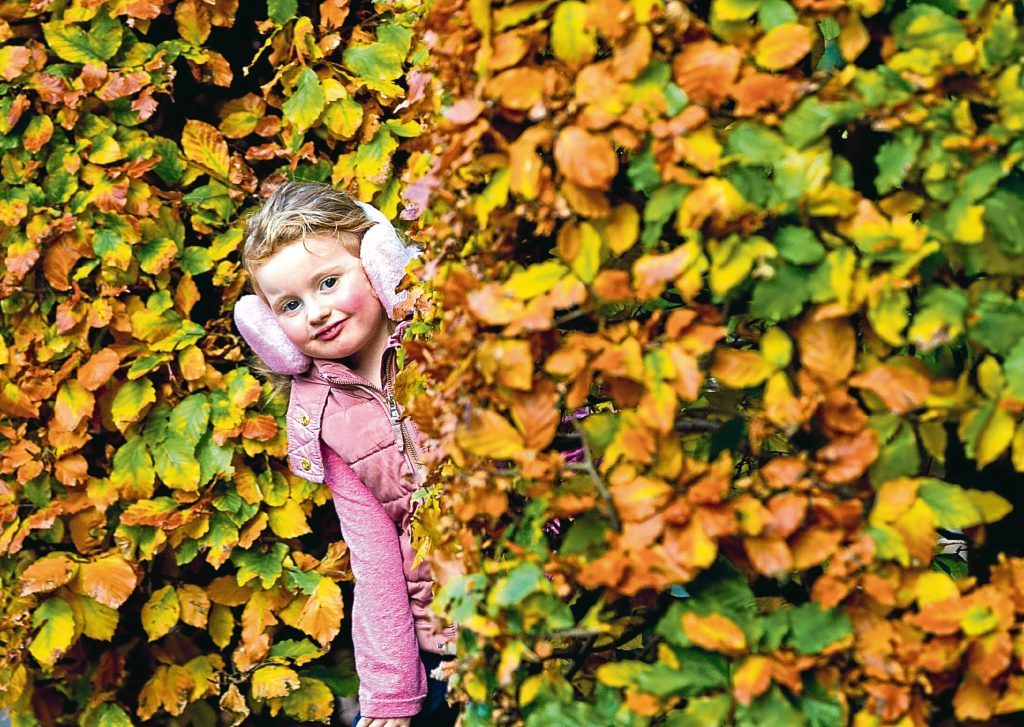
x,y
581,656
595,477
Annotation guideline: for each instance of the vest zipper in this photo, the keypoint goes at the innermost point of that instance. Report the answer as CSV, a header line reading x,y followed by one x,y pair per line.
x,y
403,440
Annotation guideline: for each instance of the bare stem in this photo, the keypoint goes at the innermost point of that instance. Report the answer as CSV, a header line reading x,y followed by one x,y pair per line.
x,y
595,477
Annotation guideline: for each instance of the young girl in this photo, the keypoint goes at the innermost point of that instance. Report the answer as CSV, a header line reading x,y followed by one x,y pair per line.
x,y
324,268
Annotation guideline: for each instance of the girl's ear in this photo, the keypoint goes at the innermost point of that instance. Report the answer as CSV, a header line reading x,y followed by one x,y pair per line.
x,y
384,257
260,329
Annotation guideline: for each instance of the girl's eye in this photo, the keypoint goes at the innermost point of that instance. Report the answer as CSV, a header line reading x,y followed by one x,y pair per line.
x,y
290,306
329,283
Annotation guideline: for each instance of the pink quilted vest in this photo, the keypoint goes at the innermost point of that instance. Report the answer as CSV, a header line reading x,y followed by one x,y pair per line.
x,y
364,426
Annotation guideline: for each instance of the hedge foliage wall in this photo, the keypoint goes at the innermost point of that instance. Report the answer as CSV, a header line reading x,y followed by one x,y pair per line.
x,y
719,323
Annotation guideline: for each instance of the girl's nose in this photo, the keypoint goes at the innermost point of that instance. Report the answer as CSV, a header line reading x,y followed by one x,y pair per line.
x,y
317,313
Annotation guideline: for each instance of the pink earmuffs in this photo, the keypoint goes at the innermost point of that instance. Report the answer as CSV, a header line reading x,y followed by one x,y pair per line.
x,y
384,257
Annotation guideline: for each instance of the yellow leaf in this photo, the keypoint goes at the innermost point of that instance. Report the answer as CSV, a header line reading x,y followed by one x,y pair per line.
x,y
529,688
161,612
489,434
98,621
311,702
995,436
322,614
622,231
221,625
782,46
776,348
170,688
933,587
74,403
57,631
970,227
510,362
289,520
131,402
732,260
740,369
274,681
203,144
573,39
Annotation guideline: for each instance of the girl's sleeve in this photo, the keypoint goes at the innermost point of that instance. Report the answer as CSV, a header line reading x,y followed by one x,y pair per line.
x,y
392,682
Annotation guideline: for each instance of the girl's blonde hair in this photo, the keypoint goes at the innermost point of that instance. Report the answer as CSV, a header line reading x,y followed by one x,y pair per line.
x,y
296,210
292,212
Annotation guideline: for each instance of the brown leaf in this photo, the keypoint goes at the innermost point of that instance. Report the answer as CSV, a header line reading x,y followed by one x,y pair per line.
x,y
757,91
518,88
847,458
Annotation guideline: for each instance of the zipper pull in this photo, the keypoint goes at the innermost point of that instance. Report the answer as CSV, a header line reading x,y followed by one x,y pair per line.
x,y
396,424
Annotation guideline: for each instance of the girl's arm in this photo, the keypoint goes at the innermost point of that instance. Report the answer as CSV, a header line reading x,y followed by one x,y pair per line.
x,y
392,682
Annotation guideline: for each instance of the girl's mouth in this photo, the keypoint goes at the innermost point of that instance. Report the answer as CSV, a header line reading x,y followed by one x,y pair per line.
x,y
330,332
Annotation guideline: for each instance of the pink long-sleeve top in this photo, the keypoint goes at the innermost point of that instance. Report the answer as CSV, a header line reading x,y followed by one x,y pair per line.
x,y
392,682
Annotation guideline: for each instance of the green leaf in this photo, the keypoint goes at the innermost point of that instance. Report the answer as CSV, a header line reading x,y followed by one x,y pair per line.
x,y
809,121
281,11
814,629
898,458
196,260
213,459
380,63
771,708
304,106
895,158
1004,215
799,245
156,255
292,648
642,172
924,26
998,322
517,585
752,143
73,44
774,13
783,295
175,463
110,715
190,418
265,566
133,467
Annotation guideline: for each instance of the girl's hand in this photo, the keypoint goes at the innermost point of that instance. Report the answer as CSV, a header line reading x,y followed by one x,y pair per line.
x,y
384,722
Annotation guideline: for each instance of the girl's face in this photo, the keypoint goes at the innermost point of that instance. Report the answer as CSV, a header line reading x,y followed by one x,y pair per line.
x,y
322,298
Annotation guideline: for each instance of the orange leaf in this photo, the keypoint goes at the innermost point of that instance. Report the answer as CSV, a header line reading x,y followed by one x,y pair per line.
x,y
827,348
518,88
814,546
973,700
763,90
782,46
535,413
261,427
901,389
848,457
706,70
98,369
751,679
321,616
109,580
714,632
47,574
194,605
769,556
587,159
13,60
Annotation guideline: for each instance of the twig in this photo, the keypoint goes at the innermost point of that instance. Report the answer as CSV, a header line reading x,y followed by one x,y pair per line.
x,y
595,477
584,651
